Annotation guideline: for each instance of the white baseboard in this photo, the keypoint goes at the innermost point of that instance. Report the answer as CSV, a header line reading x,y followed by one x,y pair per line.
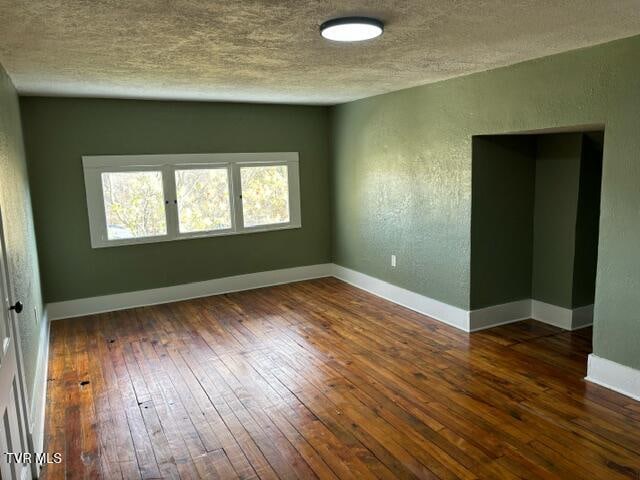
x,y
37,408
469,321
495,315
582,317
566,318
561,317
121,301
614,376
454,316
443,312
552,314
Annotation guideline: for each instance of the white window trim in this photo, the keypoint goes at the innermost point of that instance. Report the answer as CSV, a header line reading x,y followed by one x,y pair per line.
x,y
95,165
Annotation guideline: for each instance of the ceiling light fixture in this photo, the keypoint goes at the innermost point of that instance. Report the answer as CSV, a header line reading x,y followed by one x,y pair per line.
x,y
351,29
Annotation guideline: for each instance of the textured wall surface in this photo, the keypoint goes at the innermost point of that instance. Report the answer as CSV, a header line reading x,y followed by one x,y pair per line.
x,y
502,218
402,176
555,217
266,50
18,226
59,131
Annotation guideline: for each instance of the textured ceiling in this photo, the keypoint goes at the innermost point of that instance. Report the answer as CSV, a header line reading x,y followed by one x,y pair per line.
x,y
271,51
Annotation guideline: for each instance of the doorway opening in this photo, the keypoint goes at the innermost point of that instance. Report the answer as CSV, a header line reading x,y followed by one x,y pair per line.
x,y
535,225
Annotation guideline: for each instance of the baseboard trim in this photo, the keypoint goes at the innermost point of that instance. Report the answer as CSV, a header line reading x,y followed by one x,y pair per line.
x,y
614,376
582,317
469,321
496,315
121,301
566,318
552,314
511,312
443,312
37,408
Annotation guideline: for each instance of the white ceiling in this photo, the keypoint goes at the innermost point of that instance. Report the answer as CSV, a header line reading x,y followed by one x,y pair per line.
x,y
271,51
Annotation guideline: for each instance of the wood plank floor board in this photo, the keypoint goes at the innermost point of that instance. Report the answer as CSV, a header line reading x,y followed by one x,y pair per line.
x,y
319,379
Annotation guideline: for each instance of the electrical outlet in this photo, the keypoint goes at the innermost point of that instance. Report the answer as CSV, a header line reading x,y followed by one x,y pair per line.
x,y
393,261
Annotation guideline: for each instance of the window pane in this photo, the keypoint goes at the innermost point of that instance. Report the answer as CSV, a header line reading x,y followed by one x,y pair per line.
x,y
265,195
203,199
134,204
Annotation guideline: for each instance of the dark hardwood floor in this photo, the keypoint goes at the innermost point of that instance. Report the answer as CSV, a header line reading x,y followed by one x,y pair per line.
x,y
320,379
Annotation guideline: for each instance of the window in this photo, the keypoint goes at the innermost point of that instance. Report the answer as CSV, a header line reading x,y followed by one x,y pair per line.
x,y
133,204
154,198
265,195
203,198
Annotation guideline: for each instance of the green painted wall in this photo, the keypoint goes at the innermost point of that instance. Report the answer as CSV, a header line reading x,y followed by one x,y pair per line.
x,y
555,217
503,179
587,221
20,238
58,131
402,176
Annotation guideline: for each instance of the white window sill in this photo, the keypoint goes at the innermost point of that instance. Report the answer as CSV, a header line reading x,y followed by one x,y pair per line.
x,y
195,235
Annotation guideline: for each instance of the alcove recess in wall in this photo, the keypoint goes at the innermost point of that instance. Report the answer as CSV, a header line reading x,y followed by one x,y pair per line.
x,y
534,223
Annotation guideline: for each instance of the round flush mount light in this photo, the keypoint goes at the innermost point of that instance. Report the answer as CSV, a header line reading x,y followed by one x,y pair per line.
x,y
351,29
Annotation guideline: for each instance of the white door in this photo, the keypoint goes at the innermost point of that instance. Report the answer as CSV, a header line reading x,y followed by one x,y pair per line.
x,y
13,431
